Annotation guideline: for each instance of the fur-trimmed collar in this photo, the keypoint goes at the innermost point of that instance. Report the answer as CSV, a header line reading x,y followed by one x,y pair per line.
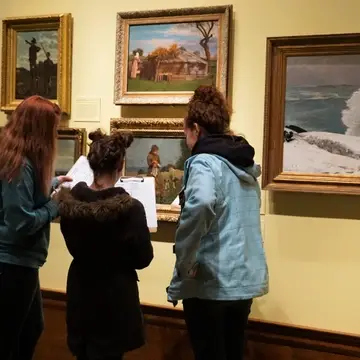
x,y
83,202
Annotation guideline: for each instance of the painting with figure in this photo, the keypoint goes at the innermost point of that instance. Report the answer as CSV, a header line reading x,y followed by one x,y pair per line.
x,y
36,63
65,157
173,56
162,158
322,115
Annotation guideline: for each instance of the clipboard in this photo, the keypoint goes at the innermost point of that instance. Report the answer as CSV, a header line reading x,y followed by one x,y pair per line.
x,y
143,189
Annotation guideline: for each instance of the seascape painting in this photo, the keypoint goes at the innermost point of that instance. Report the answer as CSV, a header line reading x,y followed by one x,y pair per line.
x,y
162,158
322,115
36,64
172,57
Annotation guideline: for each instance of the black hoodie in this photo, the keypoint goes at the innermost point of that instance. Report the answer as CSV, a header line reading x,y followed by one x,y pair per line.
x,y
235,149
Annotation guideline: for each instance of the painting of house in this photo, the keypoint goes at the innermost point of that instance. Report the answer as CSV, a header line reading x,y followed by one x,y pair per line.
x,y
185,65
163,56
179,57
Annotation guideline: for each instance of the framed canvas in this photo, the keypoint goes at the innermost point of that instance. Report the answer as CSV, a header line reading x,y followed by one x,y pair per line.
x,y
36,59
71,145
312,114
163,56
158,150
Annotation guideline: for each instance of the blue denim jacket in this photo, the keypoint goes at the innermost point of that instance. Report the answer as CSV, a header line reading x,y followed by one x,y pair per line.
x,y
25,216
218,242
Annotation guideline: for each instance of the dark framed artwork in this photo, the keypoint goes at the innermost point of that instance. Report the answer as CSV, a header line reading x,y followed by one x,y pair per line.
x,y
36,59
312,114
71,145
158,150
162,56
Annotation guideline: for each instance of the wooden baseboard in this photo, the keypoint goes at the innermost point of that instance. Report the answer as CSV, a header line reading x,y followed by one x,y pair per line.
x,y
167,338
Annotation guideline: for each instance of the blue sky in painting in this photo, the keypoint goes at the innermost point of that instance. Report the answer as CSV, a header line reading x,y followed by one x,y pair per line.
x,y
149,37
47,38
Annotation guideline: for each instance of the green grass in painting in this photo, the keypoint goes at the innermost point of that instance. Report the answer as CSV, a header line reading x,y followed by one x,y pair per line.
x,y
139,85
178,85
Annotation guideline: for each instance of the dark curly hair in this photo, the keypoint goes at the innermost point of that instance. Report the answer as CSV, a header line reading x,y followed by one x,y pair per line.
x,y
208,109
107,152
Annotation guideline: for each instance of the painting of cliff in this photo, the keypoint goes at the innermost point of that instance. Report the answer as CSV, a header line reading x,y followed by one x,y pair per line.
x,y
322,115
172,56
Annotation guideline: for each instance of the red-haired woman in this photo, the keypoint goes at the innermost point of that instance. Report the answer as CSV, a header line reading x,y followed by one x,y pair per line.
x,y
27,152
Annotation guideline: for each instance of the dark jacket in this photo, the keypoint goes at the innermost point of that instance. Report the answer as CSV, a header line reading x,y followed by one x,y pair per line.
x,y
25,216
107,235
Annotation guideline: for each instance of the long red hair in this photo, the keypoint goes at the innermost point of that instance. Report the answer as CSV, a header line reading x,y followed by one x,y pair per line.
x,y
30,133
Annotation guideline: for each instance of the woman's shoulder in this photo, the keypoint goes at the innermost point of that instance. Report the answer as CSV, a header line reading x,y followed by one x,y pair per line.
x,y
83,202
202,160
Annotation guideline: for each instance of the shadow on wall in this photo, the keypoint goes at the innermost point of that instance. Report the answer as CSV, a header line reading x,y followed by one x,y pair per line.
x,y
314,205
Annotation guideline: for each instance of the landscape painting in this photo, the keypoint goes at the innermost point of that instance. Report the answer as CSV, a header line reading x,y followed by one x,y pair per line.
x,y
322,115
172,56
36,64
162,158
162,56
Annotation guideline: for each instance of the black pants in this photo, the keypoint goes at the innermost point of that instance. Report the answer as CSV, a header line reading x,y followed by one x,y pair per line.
x,y
21,312
217,328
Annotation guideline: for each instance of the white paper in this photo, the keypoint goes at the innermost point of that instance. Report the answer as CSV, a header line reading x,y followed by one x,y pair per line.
x,y
176,202
142,189
87,109
79,172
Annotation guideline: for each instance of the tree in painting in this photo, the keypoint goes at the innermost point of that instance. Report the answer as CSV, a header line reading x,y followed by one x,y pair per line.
x,y
206,30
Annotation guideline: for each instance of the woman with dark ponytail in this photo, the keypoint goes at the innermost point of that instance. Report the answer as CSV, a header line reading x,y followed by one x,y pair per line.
x,y
106,233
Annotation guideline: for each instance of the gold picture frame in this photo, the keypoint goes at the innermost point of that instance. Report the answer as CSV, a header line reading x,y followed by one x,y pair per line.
x,y
71,145
167,133
36,59
311,142
148,72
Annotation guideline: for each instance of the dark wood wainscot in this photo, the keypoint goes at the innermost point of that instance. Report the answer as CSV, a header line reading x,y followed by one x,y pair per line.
x,y
167,338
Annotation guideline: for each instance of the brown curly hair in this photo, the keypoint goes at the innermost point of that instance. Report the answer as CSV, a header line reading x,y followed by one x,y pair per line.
x,y
209,109
107,152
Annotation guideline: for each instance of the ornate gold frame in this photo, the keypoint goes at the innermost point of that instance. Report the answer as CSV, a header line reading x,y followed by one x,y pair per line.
x,y
153,127
76,134
223,14
273,176
64,24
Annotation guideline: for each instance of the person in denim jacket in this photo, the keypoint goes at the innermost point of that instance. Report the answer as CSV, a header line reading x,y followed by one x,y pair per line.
x,y
220,261
27,155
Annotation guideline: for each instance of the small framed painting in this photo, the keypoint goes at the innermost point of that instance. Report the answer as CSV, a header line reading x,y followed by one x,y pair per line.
x,y
163,56
312,114
71,145
160,151
36,60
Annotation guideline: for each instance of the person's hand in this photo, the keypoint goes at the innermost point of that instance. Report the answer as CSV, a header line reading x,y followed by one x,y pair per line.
x,y
63,178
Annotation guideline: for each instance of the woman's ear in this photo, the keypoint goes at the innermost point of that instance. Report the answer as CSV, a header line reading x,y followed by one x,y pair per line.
x,y
197,128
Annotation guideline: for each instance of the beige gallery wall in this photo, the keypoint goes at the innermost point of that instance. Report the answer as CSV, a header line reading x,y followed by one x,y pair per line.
x,y
312,241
